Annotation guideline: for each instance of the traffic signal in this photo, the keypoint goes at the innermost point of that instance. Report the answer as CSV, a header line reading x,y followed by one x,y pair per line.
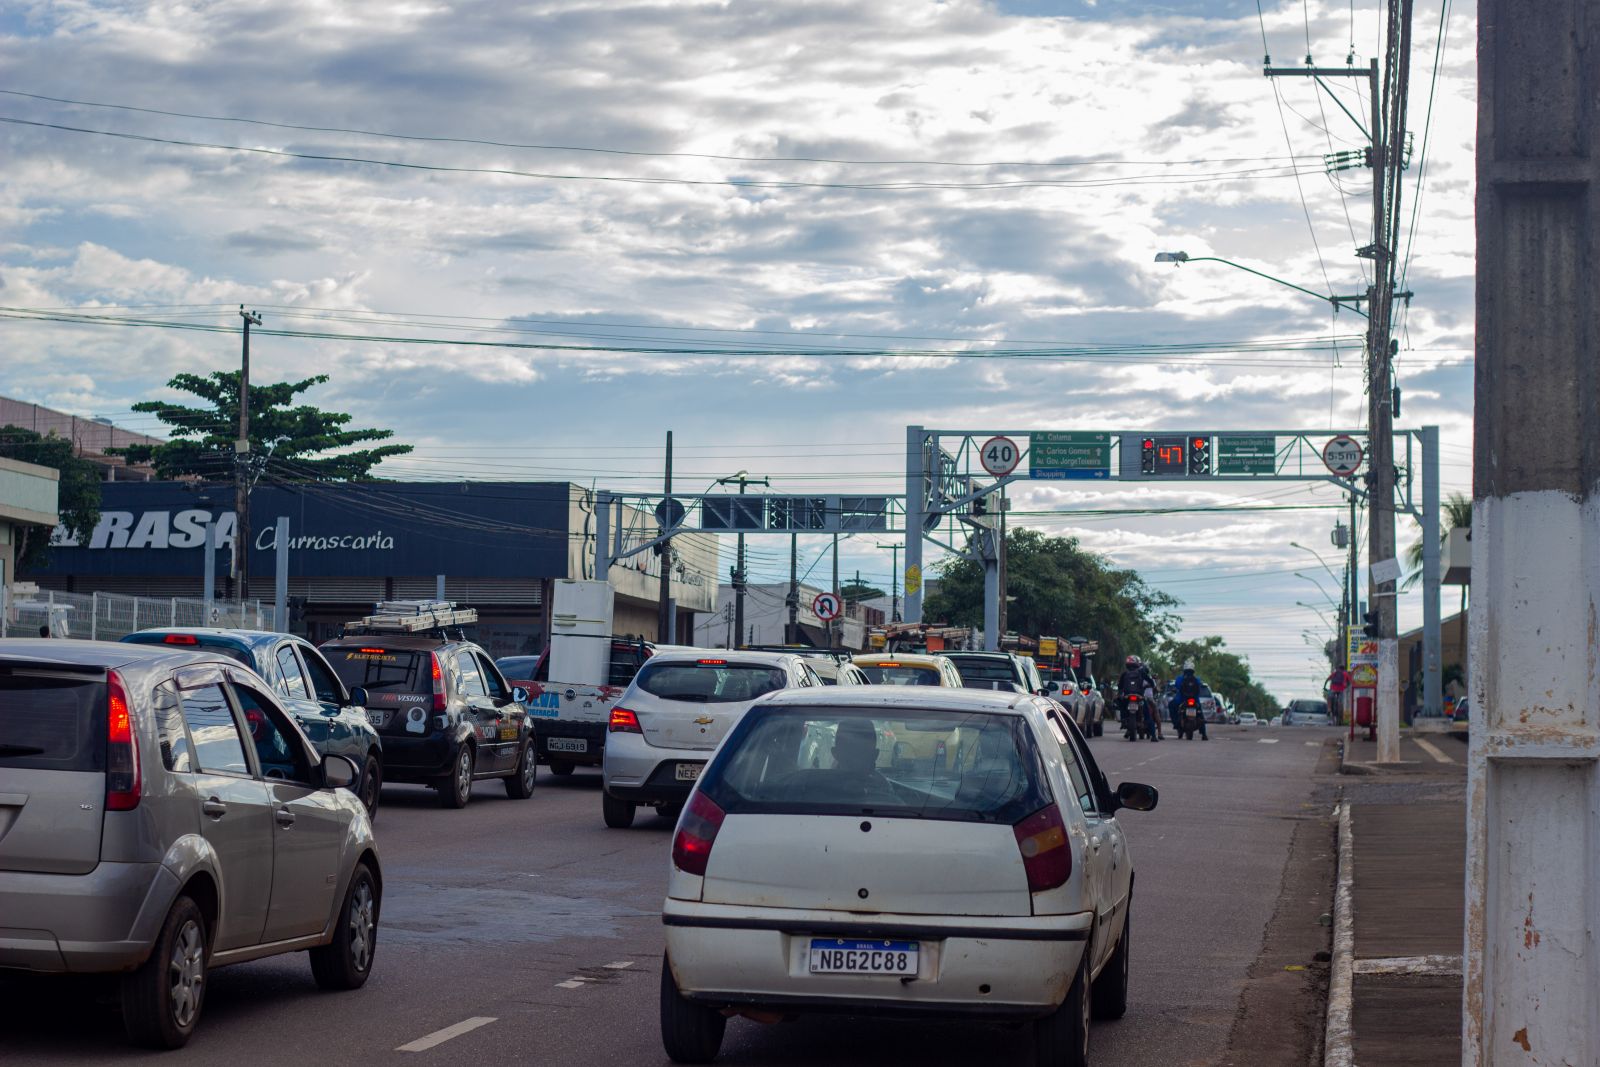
x,y
1147,456
1371,624
980,505
1199,455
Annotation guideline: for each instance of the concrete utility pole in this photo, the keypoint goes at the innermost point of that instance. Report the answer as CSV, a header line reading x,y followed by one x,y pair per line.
x,y
836,627
741,578
792,601
1532,968
664,613
242,469
894,581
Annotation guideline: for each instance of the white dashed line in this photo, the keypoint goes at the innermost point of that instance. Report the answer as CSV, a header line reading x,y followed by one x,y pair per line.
x,y
1433,750
1314,744
439,1037
1268,740
570,983
620,965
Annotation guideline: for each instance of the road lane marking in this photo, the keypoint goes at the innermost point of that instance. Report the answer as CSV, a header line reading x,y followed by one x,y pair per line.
x,y
620,965
1431,749
1268,740
439,1037
570,983
1314,744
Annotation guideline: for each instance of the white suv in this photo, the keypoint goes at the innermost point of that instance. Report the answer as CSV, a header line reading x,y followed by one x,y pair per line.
x,y
673,715
900,852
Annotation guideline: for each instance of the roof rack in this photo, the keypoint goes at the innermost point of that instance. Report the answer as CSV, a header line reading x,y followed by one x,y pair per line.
x,y
412,617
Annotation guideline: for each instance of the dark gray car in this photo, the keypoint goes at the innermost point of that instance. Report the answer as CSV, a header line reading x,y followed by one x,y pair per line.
x,y
162,814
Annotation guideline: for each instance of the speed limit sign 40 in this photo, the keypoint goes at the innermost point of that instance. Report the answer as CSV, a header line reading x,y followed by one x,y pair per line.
x,y
999,456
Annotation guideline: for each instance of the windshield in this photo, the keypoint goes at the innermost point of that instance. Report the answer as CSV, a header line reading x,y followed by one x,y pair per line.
x,y
51,722
710,682
977,767
899,674
381,670
977,673
517,666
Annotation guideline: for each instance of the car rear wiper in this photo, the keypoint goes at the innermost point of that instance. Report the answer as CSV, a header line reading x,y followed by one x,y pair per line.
x,y
19,750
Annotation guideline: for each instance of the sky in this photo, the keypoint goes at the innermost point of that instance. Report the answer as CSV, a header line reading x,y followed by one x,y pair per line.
x,y
826,220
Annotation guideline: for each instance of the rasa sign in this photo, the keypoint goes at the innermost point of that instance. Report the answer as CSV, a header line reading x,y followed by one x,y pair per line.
x,y
388,529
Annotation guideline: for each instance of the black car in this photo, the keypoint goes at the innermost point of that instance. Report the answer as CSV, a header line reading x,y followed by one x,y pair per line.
x,y
445,713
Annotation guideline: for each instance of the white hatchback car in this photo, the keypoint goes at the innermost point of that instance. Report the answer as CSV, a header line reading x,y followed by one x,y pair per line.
x,y
672,716
900,852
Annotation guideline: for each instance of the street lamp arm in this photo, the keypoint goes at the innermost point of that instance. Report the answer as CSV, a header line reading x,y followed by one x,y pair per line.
x,y
1181,257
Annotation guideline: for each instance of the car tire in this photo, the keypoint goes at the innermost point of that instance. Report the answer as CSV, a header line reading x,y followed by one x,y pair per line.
x,y
1110,991
690,1032
371,787
1061,1039
455,788
346,961
618,813
161,1001
1099,727
520,785
561,768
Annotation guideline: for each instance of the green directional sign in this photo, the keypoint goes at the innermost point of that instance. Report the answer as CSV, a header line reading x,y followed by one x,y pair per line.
x,y
1069,454
1247,455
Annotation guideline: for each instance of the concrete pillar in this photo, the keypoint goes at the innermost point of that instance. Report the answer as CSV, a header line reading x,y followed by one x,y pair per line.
x,y
991,591
1432,653
280,584
1531,965
1388,692
916,493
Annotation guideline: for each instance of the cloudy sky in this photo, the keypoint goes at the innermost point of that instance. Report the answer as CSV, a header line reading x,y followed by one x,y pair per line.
x,y
794,204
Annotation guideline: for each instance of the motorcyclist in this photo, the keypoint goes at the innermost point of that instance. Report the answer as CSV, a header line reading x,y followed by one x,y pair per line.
x,y
1136,681
1188,687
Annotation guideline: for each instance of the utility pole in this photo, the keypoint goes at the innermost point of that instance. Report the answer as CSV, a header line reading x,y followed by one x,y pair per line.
x,y
727,616
894,581
664,619
792,631
1533,757
242,469
1003,504
836,626
741,578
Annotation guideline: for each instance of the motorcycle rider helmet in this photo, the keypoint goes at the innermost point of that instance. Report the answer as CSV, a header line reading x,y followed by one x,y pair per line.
x,y
1188,665
1133,661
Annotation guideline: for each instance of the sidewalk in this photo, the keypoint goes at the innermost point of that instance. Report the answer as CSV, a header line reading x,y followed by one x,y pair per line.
x,y
1399,909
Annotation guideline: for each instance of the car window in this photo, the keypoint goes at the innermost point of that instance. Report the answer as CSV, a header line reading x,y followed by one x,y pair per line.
x,y
491,680
625,662
710,681
51,721
471,676
177,753
323,682
977,672
278,752
294,683
383,670
218,747
889,673
1081,782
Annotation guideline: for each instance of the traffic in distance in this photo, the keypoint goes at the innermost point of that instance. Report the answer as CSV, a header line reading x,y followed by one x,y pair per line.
x,y
903,833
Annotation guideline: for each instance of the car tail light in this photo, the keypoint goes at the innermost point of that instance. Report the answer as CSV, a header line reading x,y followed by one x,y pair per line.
x,y
712,662
181,639
624,721
697,832
438,683
122,749
1046,852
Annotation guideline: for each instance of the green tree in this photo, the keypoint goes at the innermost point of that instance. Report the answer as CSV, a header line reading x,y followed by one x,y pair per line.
x,y
855,591
306,444
1060,589
1227,673
1456,514
78,492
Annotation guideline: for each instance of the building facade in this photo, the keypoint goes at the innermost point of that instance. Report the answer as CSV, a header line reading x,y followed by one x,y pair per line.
x,y
29,501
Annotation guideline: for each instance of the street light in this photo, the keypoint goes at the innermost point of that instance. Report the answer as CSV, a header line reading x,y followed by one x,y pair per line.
x,y
1314,552
1180,258
1331,603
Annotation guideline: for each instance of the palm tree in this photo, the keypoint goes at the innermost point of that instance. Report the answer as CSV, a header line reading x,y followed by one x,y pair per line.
x,y
1456,515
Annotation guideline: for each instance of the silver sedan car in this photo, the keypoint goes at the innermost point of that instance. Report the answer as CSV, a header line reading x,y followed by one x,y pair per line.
x,y
161,814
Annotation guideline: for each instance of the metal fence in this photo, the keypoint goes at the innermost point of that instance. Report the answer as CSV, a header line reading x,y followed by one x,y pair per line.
x,y
110,616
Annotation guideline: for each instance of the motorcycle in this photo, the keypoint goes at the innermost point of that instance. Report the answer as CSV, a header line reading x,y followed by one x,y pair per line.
x,y
1189,721
1133,724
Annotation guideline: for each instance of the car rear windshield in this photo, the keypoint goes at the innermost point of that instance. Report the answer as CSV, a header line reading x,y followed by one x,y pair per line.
x,y
382,670
221,646
899,674
978,673
52,721
964,766
710,682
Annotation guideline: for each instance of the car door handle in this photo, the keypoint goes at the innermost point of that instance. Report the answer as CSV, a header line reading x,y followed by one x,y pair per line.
x,y
214,807
284,816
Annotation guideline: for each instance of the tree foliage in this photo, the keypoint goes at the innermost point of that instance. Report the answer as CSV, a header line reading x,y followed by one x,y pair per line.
x,y
855,591
306,443
1062,590
1227,673
78,491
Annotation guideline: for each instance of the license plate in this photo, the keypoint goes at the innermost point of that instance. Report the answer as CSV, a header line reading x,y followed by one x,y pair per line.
x,y
689,772
377,718
831,955
566,744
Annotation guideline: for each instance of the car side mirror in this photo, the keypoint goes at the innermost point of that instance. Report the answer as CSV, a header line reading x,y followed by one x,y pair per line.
x,y
1137,796
1053,687
358,697
519,694
338,772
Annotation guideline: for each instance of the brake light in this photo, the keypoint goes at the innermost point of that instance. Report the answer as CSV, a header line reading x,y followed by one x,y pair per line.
x,y
697,832
712,662
624,721
1132,699
439,701
180,639
1046,852
1191,702
379,652
123,785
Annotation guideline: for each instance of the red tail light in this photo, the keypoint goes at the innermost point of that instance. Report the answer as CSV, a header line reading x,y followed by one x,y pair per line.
x,y
624,721
181,639
1132,699
439,701
1046,852
697,832
123,785
1191,702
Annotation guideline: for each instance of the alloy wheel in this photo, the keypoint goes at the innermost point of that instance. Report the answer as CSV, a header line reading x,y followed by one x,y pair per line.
x,y
363,926
464,772
187,973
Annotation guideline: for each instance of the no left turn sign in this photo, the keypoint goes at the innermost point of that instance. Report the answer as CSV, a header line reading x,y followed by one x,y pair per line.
x,y
1342,455
825,607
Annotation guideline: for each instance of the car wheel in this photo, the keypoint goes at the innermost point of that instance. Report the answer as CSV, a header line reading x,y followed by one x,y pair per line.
x,y
456,789
690,1032
1099,727
1061,1039
520,785
1110,991
561,768
618,813
371,787
161,1000
346,961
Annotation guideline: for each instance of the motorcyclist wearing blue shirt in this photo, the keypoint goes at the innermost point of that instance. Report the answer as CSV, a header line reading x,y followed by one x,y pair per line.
x,y
1188,687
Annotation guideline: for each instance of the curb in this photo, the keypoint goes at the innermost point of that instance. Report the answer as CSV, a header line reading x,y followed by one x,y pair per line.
x,y
1337,1047
1348,765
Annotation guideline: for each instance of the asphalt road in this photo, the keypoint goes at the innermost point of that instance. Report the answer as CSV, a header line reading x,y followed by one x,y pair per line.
x,y
533,915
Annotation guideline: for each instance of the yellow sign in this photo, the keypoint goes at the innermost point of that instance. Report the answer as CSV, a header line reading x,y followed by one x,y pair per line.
x,y
1364,676
877,640
1047,646
913,580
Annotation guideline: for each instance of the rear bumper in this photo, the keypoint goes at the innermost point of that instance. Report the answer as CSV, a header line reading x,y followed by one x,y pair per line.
x,y
592,734
417,758
645,774
760,957
105,920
